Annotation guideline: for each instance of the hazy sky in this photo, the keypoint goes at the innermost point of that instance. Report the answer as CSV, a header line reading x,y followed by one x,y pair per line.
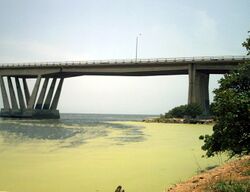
x,y
55,30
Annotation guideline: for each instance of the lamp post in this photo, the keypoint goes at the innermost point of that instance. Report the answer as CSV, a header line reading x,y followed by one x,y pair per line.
x,y
136,46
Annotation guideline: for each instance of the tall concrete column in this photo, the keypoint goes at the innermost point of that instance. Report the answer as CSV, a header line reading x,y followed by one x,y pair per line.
x,y
57,95
26,91
201,90
205,92
49,95
191,88
198,88
6,103
20,94
12,94
34,93
42,94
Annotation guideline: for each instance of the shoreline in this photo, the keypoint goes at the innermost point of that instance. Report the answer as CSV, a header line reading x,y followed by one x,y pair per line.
x,y
180,120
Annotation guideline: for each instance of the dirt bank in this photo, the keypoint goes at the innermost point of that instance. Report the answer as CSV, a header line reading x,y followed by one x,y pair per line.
x,y
237,170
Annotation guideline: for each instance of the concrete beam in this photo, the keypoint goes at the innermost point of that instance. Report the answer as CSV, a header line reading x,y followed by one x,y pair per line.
x,y
12,94
28,71
20,94
49,95
57,95
42,94
6,103
34,93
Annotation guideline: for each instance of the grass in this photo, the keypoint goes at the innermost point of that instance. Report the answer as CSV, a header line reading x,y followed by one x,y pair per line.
x,y
247,163
246,173
206,169
231,186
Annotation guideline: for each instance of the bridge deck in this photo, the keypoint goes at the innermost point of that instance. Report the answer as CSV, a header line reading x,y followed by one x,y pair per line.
x,y
129,67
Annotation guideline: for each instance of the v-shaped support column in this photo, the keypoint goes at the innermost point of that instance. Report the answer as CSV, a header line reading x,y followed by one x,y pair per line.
x,y
20,94
33,96
42,94
12,94
6,103
57,95
35,101
26,91
49,95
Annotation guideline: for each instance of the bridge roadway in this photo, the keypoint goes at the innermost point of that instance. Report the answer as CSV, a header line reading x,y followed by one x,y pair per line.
x,y
43,103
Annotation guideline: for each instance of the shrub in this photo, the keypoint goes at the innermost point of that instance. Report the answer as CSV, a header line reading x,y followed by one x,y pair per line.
x,y
177,112
231,107
191,110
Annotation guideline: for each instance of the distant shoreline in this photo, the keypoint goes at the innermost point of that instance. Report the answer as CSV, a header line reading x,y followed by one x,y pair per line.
x,y
180,120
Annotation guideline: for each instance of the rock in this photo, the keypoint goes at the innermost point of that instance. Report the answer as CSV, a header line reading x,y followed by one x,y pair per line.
x,y
119,189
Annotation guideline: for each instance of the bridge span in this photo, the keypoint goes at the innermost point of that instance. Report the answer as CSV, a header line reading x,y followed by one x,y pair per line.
x,y
44,97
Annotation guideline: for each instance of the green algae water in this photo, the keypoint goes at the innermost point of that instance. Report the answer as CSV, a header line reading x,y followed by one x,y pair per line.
x,y
98,153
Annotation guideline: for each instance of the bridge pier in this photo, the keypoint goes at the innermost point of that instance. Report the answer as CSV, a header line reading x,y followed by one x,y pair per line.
x,y
36,106
12,95
198,88
20,94
42,94
26,90
49,95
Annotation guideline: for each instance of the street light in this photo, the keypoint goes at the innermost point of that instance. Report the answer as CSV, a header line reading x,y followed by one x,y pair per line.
x,y
136,46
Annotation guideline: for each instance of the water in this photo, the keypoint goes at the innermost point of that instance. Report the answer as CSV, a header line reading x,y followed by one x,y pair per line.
x,y
92,152
71,130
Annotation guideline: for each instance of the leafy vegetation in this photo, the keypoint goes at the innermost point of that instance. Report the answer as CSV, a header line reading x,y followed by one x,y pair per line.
x,y
246,44
231,186
191,110
246,173
231,108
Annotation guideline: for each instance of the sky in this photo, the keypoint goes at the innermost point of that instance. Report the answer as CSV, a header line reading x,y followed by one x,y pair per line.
x,y
69,30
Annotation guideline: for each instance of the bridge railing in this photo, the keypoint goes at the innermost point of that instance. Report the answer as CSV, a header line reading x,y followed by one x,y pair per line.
x,y
127,61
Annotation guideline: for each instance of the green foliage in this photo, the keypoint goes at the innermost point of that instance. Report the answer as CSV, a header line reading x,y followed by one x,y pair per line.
x,y
161,116
177,112
211,109
246,173
246,44
191,110
231,186
231,107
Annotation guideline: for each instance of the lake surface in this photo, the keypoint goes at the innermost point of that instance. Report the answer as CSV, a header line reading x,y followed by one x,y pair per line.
x,y
88,152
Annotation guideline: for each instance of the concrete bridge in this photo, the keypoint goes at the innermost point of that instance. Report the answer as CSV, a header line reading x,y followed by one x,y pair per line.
x,y
42,100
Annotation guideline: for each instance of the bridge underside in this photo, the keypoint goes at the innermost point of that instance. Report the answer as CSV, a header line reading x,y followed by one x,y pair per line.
x,y
43,100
